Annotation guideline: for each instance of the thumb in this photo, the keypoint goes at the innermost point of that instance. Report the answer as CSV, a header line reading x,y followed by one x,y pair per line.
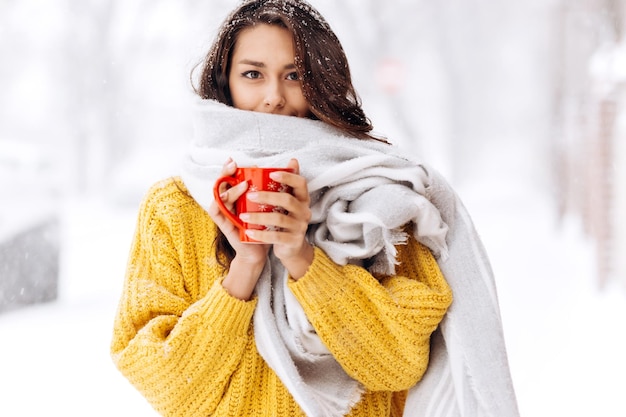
x,y
295,165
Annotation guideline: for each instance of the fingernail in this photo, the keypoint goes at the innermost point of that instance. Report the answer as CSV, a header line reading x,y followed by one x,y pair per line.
x,y
244,217
223,196
252,196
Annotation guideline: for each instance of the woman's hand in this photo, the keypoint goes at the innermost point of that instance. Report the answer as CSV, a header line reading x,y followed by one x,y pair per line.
x,y
289,235
247,265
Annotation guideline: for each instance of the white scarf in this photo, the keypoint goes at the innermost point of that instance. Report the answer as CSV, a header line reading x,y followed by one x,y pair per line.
x,y
362,193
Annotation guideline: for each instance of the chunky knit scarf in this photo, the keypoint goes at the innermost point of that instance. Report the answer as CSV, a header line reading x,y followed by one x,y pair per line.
x,y
362,193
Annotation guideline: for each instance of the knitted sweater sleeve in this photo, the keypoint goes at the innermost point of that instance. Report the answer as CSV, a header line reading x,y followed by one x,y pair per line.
x,y
379,331
178,345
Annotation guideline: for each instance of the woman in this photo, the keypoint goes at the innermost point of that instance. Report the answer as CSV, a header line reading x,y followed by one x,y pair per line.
x,y
327,317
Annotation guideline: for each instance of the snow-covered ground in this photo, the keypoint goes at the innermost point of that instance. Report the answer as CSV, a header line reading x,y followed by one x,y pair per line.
x,y
566,338
54,357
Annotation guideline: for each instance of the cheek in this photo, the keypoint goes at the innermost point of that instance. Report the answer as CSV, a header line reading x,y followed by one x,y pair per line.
x,y
242,97
302,106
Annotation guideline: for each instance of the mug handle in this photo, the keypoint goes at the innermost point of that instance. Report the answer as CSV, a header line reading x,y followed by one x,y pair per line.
x,y
232,181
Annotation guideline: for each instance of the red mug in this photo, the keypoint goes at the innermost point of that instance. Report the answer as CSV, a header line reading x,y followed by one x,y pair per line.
x,y
258,180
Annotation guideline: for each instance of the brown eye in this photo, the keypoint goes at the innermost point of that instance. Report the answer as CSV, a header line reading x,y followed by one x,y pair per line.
x,y
253,75
293,76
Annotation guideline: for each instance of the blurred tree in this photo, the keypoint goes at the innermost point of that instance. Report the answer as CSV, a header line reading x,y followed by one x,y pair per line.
x,y
470,84
386,64
89,89
590,95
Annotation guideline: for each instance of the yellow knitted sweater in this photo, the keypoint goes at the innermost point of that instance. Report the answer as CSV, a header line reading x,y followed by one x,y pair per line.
x,y
189,348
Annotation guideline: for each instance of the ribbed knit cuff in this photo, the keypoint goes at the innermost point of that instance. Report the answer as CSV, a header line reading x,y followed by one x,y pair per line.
x,y
234,315
321,283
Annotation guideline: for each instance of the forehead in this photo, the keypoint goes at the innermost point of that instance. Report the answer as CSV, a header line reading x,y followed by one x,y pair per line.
x,y
263,39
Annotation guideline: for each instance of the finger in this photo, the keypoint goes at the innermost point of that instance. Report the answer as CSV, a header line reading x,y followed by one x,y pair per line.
x,y
295,207
214,211
274,237
279,221
220,220
295,181
287,176
295,165
229,167
280,229
231,195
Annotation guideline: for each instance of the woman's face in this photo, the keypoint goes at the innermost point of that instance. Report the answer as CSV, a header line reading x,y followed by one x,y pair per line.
x,y
263,74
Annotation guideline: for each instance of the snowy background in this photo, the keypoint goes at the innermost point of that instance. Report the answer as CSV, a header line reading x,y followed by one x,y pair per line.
x,y
94,108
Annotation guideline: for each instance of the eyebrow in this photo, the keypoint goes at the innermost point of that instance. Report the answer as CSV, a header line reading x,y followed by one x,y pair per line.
x,y
262,65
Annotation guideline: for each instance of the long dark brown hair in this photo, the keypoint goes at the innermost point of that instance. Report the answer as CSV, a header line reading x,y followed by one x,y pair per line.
x,y
320,61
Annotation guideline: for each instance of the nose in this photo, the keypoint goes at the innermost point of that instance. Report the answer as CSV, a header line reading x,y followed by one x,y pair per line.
x,y
274,97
